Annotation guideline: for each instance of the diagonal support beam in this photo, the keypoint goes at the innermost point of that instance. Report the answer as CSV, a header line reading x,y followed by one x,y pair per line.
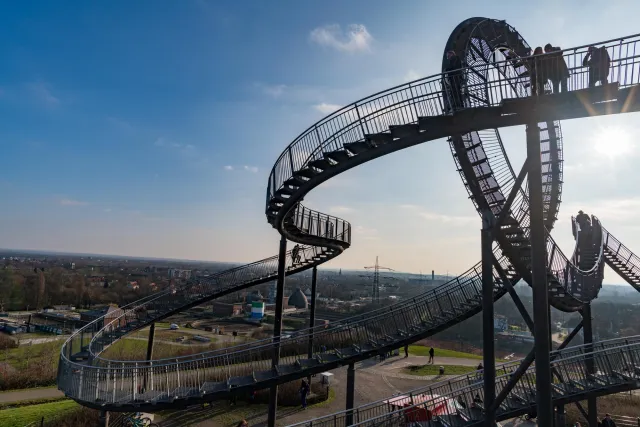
x,y
526,363
517,185
515,377
514,296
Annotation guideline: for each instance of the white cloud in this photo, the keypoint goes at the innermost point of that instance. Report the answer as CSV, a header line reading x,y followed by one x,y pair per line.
x,y
42,92
340,209
71,202
411,76
251,169
327,108
228,168
356,38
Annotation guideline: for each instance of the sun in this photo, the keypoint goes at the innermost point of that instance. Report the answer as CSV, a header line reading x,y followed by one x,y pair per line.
x,y
612,141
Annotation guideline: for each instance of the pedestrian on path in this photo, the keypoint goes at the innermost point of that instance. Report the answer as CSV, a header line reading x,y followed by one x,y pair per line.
x,y
608,422
431,354
406,351
304,391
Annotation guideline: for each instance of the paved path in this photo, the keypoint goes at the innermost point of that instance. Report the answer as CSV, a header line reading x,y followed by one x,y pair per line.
x,y
30,394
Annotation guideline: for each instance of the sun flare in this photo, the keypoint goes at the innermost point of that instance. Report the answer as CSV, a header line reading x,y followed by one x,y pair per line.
x,y
612,142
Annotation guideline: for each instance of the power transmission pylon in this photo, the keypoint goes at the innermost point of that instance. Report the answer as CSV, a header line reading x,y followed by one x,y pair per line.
x,y
375,294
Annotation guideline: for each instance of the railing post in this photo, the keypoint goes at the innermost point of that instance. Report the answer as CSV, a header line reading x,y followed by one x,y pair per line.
x,y
351,386
539,279
277,329
488,334
592,409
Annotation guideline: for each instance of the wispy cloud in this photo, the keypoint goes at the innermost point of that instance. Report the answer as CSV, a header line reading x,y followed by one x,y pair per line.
x,y
340,209
437,217
366,232
71,202
251,169
274,91
411,76
42,92
228,168
325,108
119,123
356,38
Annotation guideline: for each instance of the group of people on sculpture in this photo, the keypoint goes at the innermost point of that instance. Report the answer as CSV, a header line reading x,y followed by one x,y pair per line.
x,y
550,65
544,66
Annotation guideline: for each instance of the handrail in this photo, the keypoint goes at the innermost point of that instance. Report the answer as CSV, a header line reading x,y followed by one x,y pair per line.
x,y
380,409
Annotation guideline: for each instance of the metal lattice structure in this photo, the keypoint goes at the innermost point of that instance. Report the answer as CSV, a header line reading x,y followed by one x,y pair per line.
x,y
616,370
496,94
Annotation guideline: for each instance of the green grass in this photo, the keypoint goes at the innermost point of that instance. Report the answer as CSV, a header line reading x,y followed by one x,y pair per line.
x,y
23,356
10,405
19,417
419,350
422,370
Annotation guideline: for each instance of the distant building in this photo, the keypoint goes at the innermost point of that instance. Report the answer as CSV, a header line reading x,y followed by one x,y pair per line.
x,y
222,309
298,299
176,273
111,313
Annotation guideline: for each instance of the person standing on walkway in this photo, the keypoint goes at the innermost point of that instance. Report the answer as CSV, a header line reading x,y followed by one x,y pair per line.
x,y
431,354
454,79
598,61
304,392
295,254
406,351
608,422
556,69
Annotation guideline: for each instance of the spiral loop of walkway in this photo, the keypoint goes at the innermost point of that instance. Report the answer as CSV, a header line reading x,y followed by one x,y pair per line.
x,y
399,118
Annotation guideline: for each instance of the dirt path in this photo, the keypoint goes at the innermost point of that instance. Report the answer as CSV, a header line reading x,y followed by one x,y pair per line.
x,y
30,394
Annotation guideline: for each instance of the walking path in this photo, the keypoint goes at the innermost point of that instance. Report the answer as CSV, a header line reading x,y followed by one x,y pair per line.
x,y
30,394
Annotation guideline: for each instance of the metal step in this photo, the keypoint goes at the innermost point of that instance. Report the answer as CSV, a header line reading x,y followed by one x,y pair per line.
x,y
357,147
337,156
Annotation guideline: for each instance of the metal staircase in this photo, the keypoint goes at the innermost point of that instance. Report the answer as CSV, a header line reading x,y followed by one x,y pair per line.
x,y
621,260
212,375
458,401
378,125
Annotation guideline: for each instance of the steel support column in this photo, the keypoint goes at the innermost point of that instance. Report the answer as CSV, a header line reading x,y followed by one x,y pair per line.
x,y
103,419
312,312
560,416
351,391
488,334
592,409
539,279
152,334
277,329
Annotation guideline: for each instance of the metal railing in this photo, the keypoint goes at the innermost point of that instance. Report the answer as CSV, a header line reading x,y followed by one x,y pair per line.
x,y
111,382
628,263
405,103
614,365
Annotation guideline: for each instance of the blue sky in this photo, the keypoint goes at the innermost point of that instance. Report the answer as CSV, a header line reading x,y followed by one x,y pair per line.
x,y
149,127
